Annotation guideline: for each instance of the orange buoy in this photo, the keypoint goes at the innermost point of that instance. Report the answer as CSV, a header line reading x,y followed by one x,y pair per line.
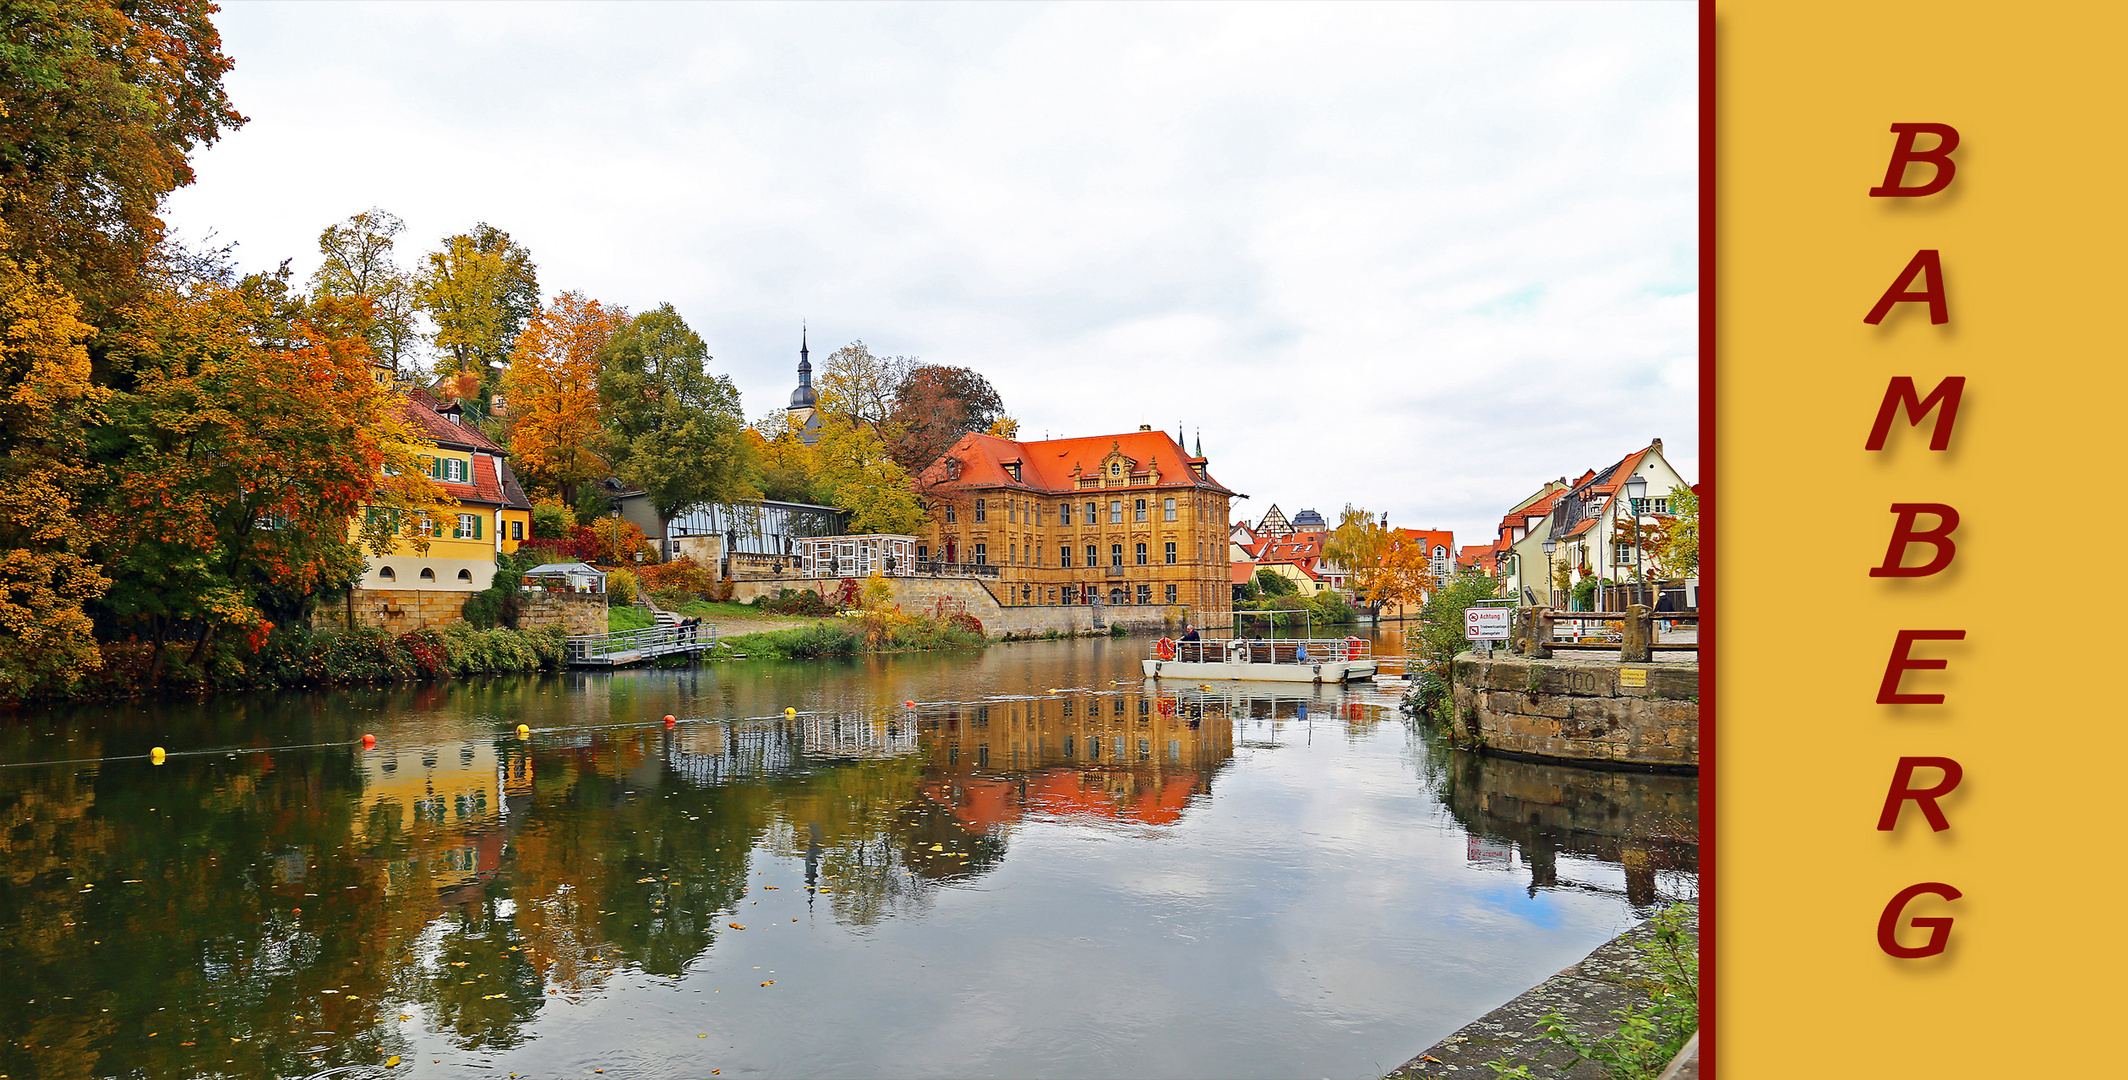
x,y
368,741
669,721
910,704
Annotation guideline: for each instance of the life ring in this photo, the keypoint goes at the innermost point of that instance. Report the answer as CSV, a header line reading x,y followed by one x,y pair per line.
x,y
1165,650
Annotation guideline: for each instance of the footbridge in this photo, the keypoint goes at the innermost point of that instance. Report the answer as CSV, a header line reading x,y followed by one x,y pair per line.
x,y
626,647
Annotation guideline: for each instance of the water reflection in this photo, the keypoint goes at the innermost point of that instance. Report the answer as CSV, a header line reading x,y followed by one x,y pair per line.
x,y
1517,811
263,905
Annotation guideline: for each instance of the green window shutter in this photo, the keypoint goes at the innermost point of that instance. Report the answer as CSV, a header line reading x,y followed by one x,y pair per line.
x,y
476,525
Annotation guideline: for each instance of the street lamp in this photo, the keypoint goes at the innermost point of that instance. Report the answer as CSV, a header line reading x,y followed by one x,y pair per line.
x,y
1551,543
1636,488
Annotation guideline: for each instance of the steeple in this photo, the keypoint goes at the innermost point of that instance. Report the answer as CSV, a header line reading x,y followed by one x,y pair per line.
x,y
803,397
1200,443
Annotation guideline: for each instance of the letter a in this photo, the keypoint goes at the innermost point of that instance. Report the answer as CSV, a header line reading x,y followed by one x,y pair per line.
x,y
1904,534
1904,153
1925,262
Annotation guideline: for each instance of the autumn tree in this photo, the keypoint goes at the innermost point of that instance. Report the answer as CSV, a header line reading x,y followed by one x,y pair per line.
x,y
250,436
102,103
481,291
933,407
784,468
553,382
855,473
1357,547
358,266
47,404
859,387
672,428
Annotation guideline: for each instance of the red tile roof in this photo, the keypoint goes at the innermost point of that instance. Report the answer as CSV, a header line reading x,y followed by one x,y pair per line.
x,y
419,406
1243,571
1054,465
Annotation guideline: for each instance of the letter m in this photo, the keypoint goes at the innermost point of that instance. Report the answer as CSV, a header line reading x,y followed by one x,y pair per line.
x,y
1902,394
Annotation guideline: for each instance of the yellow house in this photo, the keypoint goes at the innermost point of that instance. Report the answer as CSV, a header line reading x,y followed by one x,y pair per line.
x,y
492,516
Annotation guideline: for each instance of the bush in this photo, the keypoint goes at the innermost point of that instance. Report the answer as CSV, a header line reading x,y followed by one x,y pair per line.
x,y
615,540
795,602
1331,609
1439,635
621,586
550,521
681,577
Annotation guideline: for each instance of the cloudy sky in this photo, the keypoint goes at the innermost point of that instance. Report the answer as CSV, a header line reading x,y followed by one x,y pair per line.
x,y
1419,258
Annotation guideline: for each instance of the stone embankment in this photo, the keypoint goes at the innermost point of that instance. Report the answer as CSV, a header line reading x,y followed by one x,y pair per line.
x,y
998,619
1587,712
1586,995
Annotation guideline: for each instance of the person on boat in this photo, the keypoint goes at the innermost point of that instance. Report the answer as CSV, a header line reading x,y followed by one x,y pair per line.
x,y
1189,633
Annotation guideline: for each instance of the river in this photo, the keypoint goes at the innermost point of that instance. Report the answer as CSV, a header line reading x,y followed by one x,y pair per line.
x,y
1044,867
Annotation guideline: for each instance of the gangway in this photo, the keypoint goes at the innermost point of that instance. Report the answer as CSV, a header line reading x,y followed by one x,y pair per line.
x,y
625,647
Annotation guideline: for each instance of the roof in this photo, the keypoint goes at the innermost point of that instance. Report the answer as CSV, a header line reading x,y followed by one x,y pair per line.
x,y
1053,466
1243,571
566,568
1299,547
419,407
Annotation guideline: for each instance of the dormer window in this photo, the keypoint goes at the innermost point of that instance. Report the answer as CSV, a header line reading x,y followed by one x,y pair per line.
x,y
1115,468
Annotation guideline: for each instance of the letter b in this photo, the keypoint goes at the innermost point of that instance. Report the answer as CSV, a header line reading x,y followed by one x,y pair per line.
x,y
1903,154
1904,534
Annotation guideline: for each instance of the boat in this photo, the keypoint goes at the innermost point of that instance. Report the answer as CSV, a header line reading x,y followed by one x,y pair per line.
x,y
1303,659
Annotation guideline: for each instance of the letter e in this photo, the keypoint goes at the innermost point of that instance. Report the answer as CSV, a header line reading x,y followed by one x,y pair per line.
x,y
1902,662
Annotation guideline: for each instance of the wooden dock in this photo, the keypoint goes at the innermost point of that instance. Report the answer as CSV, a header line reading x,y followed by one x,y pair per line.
x,y
628,647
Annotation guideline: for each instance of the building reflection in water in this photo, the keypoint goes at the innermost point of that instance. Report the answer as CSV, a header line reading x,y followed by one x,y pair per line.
x,y
1645,824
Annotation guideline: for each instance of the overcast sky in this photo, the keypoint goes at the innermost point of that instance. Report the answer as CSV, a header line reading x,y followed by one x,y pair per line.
x,y
1415,257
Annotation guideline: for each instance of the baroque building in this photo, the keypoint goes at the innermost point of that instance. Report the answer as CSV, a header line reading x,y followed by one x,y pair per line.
x,y
1106,519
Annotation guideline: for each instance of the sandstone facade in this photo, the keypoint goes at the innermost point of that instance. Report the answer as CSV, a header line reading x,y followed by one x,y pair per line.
x,y
1580,710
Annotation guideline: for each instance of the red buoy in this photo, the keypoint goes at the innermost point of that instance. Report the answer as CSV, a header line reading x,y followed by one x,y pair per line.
x,y
669,721
368,741
910,704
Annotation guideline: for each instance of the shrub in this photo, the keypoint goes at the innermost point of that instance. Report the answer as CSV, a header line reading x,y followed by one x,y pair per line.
x,y
551,521
966,623
615,540
846,595
1331,608
796,602
681,577
621,586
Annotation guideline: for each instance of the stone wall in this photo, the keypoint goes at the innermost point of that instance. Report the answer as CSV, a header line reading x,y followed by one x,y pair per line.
x,y
575,613
920,593
1580,710
403,611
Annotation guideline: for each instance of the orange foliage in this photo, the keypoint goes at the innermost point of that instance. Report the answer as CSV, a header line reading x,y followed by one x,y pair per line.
x,y
553,386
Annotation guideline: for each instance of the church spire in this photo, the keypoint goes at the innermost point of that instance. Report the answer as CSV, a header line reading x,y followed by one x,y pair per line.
x,y
1200,443
803,397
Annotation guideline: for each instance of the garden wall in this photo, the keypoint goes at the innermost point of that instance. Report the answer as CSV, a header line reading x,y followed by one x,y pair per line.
x,y
920,593
1582,711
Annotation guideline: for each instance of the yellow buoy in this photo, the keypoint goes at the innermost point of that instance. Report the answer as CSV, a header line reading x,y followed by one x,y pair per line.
x,y
524,732
788,711
156,755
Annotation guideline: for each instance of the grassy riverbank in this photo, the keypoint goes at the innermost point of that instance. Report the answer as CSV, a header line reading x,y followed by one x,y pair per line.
x,y
289,659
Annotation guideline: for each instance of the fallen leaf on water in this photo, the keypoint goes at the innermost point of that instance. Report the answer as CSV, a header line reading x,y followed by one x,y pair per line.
x,y
702,1036
771,982
391,1062
405,1016
735,926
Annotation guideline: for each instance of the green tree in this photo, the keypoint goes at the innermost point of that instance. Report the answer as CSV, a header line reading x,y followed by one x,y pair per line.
x,y
1270,582
103,102
672,428
481,290
856,474
358,266
1438,637
1680,543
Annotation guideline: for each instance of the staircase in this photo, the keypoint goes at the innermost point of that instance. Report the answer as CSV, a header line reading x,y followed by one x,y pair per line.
x,y
663,617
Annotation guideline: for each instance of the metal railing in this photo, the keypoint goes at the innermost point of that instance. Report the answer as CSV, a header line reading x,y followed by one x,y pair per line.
x,y
1535,631
1286,651
631,645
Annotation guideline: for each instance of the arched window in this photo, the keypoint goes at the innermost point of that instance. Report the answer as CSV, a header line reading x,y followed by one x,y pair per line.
x,y
386,573
1118,596
1440,552
465,575
427,574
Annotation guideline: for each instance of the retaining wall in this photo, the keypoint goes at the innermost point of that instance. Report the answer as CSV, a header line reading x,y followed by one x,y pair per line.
x,y
1019,620
575,613
1583,711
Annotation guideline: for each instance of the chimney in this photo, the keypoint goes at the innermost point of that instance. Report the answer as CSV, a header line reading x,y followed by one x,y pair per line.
x,y
1658,445
1145,427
